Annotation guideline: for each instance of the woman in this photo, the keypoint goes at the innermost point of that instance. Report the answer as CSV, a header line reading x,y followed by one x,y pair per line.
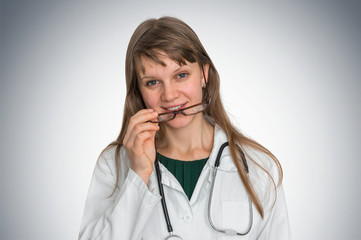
x,y
157,179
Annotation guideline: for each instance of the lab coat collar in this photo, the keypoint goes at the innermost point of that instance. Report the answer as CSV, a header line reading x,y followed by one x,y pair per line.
x,y
219,138
226,164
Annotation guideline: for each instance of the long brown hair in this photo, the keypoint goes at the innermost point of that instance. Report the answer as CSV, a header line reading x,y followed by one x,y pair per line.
x,y
180,43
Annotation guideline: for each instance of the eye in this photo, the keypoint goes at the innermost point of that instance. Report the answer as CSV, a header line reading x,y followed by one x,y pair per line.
x,y
182,75
151,82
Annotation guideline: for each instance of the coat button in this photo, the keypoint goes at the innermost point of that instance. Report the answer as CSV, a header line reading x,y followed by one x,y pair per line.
x,y
187,218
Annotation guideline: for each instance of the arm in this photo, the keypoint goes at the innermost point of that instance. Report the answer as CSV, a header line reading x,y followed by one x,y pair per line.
x,y
122,215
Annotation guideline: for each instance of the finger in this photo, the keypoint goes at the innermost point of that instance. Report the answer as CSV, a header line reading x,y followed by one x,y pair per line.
x,y
147,126
139,142
144,115
140,128
141,117
151,140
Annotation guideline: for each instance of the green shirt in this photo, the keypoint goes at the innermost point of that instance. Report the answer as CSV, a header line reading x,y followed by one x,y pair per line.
x,y
186,172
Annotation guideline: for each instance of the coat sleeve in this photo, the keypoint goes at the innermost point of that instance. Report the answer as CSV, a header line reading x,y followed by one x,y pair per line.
x,y
277,224
122,215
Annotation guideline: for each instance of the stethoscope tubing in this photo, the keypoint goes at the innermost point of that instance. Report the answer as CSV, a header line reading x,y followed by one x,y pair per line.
x,y
161,192
214,173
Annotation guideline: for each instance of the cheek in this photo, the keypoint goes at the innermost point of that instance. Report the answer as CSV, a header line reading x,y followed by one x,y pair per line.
x,y
194,91
150,99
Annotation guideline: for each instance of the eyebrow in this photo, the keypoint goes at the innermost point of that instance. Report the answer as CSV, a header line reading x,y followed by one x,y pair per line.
x,y
151,77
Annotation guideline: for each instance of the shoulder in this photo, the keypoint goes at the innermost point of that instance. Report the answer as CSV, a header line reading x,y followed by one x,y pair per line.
x,y
260,161
110,152
108,159
265,172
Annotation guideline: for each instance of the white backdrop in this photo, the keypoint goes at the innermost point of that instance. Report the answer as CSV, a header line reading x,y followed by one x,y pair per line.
x,y
290,77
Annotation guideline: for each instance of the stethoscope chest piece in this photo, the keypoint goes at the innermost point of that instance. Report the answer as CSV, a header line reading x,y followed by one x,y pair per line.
x,y
173,237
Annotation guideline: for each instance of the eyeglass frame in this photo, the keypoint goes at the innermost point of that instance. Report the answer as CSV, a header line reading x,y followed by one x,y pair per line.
x,y
181,111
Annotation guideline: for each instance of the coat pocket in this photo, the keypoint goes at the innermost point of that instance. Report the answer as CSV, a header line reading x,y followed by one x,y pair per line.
x,y
236,216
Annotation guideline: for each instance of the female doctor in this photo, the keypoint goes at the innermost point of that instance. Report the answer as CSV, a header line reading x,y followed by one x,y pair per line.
x,y
179,169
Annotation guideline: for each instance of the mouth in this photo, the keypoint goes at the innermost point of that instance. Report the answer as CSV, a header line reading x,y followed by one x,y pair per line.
x,y
174,107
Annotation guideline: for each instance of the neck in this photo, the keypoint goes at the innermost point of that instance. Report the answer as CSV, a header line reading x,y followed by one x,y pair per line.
x,y
192,142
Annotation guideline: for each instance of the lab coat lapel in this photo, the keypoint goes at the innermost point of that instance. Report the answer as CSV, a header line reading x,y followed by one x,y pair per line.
x,y
204,182
168,179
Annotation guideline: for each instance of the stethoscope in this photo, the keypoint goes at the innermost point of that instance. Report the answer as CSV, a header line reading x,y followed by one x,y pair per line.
x,y
230,232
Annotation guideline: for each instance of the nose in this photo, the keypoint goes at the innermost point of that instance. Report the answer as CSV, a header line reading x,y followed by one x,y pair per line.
x,y
169,92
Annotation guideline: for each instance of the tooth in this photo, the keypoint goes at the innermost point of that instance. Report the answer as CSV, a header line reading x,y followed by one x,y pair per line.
x,y
174,108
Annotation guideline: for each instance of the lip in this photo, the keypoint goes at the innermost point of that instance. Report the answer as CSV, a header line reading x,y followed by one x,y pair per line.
x,y
166,108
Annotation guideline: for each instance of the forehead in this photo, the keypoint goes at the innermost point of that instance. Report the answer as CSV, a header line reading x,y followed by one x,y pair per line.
x,y
162,64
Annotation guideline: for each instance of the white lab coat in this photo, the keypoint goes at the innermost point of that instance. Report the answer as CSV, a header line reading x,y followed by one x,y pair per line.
x,y
134,211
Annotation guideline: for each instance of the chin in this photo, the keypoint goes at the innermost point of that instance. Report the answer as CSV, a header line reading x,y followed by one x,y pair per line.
x,y
180,121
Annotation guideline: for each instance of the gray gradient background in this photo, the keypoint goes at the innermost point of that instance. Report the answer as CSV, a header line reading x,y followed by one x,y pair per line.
x,y
290,77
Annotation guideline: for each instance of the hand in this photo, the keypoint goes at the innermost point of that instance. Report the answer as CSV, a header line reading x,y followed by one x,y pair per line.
x,y
139,142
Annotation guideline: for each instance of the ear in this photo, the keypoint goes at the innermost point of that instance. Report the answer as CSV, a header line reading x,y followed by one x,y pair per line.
x,y
205,73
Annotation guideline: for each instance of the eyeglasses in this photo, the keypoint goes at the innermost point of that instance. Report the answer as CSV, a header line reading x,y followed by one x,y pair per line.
x,y
188,111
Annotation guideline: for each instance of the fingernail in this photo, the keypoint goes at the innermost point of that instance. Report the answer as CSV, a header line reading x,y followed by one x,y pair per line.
x,y
150,110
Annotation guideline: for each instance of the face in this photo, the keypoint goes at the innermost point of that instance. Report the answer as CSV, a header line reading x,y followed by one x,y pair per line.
x,y
172,87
